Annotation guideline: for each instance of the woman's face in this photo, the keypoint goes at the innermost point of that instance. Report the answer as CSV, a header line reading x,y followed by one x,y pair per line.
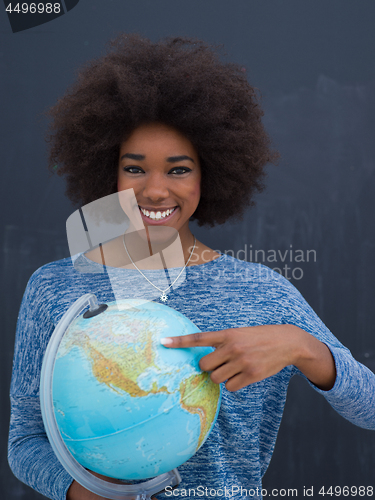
x,y
162,167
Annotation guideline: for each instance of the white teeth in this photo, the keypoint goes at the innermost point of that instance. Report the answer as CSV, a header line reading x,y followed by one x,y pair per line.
x,y
158,215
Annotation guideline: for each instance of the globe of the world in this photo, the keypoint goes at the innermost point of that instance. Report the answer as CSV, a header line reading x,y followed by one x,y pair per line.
x,y
126,406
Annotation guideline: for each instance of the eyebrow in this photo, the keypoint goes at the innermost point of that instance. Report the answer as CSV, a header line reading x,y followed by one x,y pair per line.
x,y
170,159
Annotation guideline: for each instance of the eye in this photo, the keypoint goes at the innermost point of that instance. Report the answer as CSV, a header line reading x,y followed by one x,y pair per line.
x,y
180,170
133,170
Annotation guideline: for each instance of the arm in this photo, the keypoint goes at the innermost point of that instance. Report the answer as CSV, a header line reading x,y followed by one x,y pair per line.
x,y
312,358
353,393
249,354
30,455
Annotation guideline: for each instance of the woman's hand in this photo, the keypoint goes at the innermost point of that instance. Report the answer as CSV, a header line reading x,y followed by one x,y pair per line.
x,y
250,354
78,492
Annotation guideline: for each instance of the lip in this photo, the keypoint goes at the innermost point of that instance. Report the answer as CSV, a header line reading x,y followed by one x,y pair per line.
x,y
160,222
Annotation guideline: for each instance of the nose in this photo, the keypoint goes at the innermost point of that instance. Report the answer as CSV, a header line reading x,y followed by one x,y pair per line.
x,y
156,187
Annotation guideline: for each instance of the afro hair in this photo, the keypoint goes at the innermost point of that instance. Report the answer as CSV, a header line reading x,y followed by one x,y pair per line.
x,y
180,82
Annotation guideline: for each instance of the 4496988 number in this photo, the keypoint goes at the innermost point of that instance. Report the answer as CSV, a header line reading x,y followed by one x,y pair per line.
x,y
347,491
34,8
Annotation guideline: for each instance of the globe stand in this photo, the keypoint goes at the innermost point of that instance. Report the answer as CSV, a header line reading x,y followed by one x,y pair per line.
x,y
140,491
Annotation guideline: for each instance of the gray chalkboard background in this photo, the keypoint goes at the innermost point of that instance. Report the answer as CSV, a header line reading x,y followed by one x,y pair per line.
x,y
313,61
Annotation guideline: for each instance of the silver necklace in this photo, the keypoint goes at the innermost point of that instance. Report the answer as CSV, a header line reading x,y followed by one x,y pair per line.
x,y
163,297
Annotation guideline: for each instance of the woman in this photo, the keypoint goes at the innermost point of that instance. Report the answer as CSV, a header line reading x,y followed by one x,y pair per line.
x,y
184,131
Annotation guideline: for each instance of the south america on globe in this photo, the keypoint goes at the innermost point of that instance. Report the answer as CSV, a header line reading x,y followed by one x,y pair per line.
x,y
126,406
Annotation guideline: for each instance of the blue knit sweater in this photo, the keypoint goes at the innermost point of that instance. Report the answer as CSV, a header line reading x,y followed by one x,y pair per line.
x,y
224,293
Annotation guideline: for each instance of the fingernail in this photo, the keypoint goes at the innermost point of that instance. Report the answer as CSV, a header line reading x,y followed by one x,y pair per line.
x,y
166,341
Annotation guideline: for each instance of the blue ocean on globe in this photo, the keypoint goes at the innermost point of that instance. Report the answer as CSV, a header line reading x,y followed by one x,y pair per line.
x,y
126,406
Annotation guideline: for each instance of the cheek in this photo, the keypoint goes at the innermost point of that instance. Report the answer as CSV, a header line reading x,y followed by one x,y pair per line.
x,y
121,182
196,191
194,195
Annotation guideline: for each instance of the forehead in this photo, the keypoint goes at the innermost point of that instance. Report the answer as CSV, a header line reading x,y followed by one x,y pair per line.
x,y
157,138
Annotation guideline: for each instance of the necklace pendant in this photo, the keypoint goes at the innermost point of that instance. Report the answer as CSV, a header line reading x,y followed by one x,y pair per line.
x,y
163,297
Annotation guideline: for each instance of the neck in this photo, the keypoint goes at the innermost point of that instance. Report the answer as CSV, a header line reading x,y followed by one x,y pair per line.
x,y
161,246
187,242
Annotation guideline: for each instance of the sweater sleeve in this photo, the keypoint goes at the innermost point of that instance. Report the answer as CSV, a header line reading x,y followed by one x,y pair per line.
x,y
353,394
30,454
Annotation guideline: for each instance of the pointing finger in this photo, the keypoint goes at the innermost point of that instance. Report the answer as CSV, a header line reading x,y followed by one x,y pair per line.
x,y
194,340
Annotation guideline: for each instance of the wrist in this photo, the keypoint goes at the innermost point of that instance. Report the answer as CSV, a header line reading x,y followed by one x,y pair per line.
x,y
313,358
303,347
78,492
297,345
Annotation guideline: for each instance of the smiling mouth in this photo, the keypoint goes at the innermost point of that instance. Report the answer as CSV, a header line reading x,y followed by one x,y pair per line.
x,y
157,215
